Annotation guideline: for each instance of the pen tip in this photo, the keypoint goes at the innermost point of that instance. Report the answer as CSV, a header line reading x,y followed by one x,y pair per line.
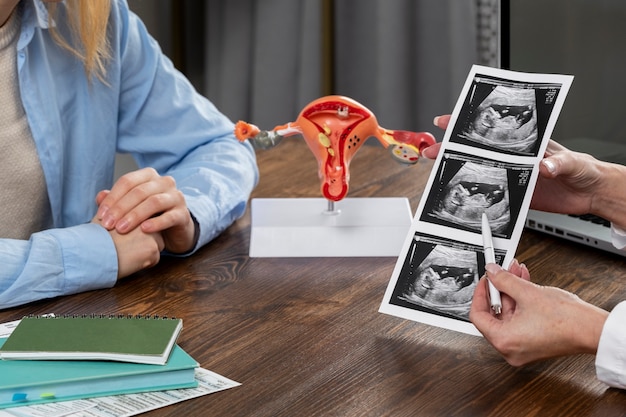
x,y
497,310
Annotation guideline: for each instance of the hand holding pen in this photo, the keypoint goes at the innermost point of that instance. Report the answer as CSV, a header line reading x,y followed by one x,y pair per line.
x,y
490,257
536,322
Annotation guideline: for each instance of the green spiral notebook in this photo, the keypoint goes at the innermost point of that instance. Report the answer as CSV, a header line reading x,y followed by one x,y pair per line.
x,y
35,382
139,339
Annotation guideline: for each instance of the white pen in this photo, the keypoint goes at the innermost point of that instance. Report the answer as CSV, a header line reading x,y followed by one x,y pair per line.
x,y
490,257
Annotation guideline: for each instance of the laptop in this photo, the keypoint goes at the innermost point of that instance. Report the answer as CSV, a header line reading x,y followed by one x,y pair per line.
x,y
588,229
537,36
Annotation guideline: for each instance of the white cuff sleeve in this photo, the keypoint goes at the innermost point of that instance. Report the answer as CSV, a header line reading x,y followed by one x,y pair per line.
x,y
611,355
618,236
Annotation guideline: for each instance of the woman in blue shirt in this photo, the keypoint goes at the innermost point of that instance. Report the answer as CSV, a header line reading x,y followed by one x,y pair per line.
x,y
77,94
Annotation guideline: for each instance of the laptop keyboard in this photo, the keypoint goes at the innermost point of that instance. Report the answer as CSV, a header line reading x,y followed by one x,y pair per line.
x,y
593,219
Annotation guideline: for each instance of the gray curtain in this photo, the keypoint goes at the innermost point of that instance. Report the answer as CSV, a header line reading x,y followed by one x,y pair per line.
x,y
263,58
406,60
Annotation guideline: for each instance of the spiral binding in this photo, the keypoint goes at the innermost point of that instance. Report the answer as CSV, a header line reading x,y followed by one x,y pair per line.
x,y
101,316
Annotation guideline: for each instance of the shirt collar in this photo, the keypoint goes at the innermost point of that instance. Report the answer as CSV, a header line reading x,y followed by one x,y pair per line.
x,y
38,13
34,16
41,13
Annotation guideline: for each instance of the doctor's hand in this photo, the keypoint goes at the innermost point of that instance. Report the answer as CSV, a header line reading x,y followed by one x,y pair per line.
x,y
570,182
442,123
146,200
536,322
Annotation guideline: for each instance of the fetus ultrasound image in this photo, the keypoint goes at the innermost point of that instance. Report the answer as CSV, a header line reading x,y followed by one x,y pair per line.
x,y
438,276
467,187
506,118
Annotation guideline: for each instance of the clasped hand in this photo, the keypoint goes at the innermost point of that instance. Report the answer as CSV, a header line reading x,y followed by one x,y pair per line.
x,y
145,214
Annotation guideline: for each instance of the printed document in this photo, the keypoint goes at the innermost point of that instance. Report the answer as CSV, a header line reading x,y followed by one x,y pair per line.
x,y
488,163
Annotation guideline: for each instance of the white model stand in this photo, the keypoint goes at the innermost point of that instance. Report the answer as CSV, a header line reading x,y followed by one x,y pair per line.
x,y
313,227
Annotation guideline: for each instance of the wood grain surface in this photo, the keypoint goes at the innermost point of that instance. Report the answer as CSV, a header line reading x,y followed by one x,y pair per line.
x,y
304,336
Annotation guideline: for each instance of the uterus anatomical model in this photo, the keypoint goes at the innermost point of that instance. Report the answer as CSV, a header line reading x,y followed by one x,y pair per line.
x,y
334,128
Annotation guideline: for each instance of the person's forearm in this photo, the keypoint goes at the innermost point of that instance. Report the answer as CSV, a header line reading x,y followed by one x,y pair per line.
x,y
56,262
587,335
609,201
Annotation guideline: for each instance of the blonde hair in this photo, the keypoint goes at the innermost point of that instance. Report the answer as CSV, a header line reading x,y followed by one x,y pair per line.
x,y
88,22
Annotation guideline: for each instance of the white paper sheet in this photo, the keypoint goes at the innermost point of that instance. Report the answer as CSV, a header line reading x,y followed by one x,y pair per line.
x,y
489,162
119,405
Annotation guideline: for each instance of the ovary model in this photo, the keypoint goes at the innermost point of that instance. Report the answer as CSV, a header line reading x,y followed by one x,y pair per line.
x,y
334,128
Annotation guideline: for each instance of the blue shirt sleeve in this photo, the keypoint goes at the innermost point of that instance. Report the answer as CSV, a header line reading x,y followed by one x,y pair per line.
x,y
56,262
146,108
181,133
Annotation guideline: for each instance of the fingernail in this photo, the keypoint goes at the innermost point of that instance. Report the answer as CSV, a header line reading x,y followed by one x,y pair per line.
x,y
102,212
108,222
549,165
435,120
146,226
122,225
493,268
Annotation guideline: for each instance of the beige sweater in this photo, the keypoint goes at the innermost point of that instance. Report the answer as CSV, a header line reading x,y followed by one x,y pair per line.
x,y
24,205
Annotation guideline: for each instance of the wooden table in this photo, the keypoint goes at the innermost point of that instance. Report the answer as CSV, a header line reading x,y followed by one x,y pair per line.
x,y
304,336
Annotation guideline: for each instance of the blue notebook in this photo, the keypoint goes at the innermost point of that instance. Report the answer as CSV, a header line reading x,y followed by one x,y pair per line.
x,y
35,382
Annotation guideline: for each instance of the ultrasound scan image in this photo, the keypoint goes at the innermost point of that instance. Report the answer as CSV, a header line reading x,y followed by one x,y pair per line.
x,y
487,166
506,119
476,189
444,280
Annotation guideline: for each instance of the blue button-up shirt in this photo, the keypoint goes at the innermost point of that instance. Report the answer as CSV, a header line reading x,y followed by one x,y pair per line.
x,y
146,108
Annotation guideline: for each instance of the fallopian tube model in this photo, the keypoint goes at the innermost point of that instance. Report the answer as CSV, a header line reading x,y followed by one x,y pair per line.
x,y
334,128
